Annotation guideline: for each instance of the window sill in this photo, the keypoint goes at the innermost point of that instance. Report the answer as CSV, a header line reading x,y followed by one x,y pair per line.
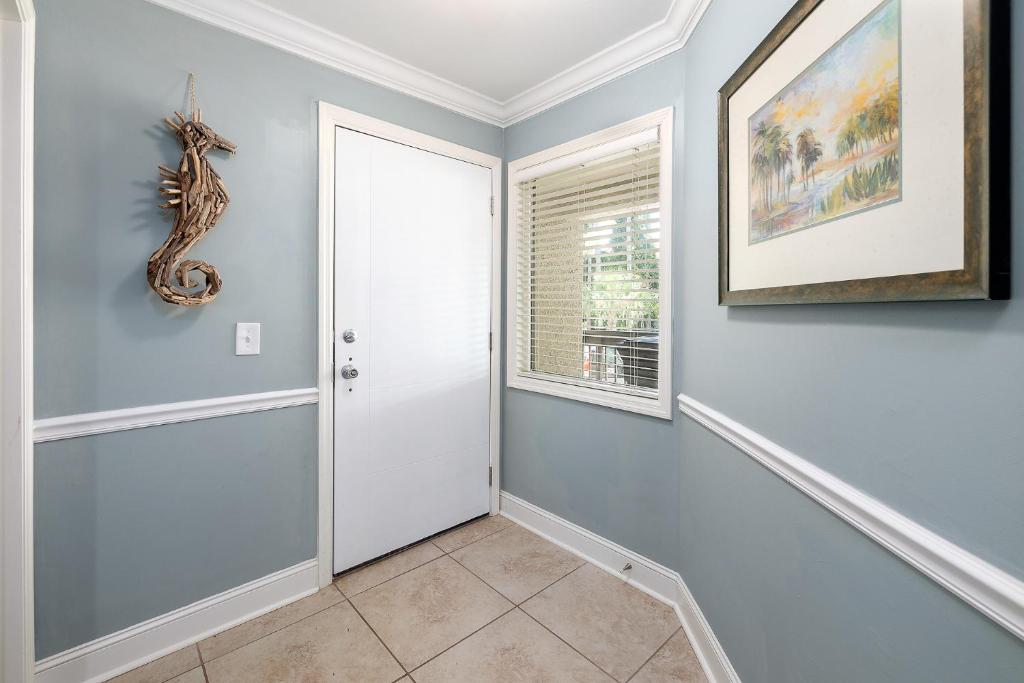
x,y
655,407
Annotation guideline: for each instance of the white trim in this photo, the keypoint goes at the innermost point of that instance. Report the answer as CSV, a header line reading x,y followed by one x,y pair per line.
x,y
496,329
299,37
87,424
583,155
643,47
330,117
257,21
325,346
17,83
990,590
656,580
132,647
663,121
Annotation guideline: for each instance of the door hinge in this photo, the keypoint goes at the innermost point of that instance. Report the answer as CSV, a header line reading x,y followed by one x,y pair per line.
x,y
490,341
490,476
492,204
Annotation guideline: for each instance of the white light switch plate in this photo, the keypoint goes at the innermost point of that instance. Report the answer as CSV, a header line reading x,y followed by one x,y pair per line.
x,y
247,339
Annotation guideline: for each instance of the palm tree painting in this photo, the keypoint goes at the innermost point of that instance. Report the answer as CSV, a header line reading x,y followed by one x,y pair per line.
x,y
828,145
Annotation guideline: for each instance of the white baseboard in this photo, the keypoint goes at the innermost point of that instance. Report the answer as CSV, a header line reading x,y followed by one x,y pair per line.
x,y
136,645
988,589
657,581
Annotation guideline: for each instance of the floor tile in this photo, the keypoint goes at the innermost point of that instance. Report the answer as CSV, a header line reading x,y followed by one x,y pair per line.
x,y
364,578
613,624
422,612
243,634
163,669
332,645
516,562
512,649
193,676
474,531
675,662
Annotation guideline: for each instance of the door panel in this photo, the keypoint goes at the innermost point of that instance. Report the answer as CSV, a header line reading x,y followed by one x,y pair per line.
x,y
413,273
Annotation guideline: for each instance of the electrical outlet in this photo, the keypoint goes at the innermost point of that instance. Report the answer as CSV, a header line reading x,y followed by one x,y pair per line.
x,y
247,339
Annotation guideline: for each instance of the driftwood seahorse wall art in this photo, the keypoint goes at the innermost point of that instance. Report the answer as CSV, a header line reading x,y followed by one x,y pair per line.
x,y
198,197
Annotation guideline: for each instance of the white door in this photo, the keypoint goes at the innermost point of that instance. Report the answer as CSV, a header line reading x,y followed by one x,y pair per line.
x,y
412,284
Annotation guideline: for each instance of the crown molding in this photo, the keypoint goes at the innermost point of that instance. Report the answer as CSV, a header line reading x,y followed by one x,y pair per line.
x,y
265,24
629,54
259,22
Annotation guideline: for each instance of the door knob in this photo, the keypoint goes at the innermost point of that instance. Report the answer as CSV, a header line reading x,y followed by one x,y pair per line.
x,y
349,372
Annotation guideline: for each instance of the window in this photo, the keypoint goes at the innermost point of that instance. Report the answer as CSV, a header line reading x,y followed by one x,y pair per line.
x,y
589,268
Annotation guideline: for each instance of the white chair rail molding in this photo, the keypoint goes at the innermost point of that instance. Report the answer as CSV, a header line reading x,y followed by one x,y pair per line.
x,y
993,592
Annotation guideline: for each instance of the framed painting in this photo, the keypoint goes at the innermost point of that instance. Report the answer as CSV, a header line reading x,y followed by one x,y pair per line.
x,y
864,156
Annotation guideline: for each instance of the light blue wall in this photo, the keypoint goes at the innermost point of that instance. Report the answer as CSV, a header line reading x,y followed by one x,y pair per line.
x,y
132,525
108,71
135,524
917,404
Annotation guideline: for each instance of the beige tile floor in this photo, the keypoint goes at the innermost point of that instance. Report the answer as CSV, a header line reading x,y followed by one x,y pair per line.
x,y
488,601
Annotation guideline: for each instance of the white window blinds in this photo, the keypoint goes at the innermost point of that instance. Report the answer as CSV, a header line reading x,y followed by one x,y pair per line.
x,y
588,270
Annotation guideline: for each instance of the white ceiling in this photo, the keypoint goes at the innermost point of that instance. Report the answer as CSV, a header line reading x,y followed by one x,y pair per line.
x,y
498,49
496,61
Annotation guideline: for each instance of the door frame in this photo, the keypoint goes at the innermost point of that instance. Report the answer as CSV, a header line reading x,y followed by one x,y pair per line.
x,y
17,79
331,116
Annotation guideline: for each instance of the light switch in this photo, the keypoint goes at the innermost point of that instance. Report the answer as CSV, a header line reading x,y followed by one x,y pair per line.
x,y
247,339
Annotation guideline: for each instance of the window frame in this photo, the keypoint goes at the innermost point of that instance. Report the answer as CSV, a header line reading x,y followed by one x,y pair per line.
x,y
580,390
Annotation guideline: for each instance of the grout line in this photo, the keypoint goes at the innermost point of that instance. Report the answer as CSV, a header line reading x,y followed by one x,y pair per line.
x,y
429,540
518,606
408,672
582,562
625,580
347,598
479,519
386,556
269,633
367,590
656,651
566,642
377,636
467,636
576,569
202,664
514,605
527,597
